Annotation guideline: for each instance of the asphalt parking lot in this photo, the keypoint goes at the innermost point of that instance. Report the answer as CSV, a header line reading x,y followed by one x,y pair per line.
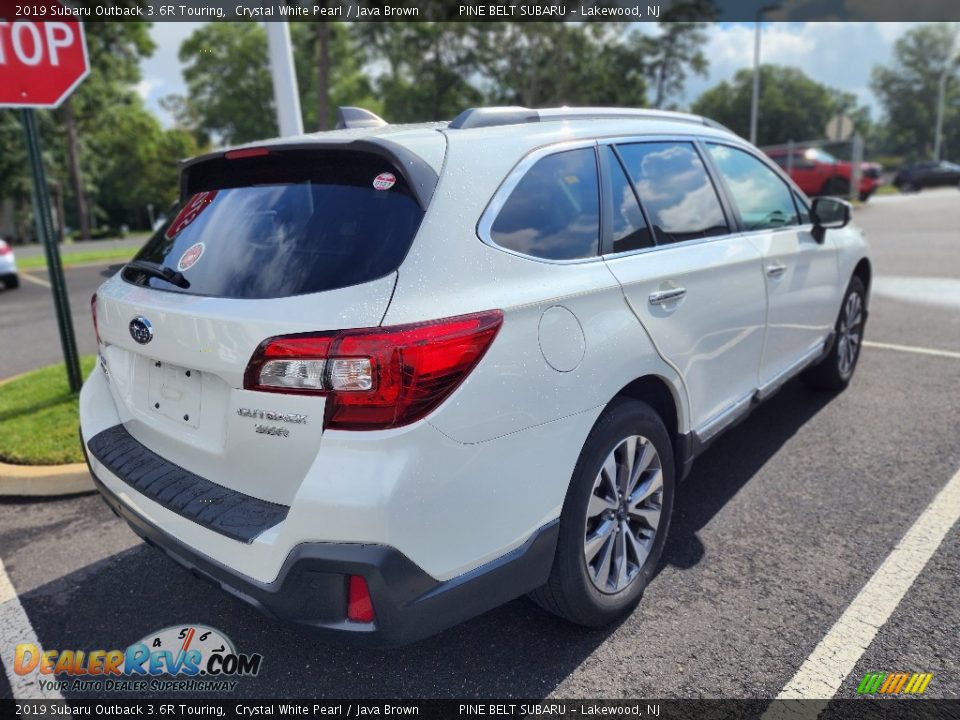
x,y
780,526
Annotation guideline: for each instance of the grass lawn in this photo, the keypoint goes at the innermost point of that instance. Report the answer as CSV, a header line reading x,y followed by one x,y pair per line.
x,y
79,257
38,418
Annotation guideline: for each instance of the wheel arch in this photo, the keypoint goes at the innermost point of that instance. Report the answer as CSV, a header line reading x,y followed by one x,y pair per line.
x,y
664,397
864,271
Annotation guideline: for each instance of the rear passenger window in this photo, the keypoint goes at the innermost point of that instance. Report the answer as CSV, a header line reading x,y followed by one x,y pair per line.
x,y
675,190
628,228
554,211
764,200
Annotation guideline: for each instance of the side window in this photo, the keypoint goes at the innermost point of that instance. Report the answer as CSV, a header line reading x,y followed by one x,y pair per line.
x,y
554,211
764,200
675,190
629,230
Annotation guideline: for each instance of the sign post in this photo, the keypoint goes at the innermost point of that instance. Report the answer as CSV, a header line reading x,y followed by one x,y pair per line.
x,y
40,65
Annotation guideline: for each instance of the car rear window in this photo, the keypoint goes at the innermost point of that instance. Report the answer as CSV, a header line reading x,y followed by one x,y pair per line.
x,y
285,223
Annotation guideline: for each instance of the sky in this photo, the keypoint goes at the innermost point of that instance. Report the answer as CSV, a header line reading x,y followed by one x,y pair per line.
x,y
840,55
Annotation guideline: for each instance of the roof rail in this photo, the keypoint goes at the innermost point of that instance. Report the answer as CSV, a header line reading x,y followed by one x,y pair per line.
x,y
354,117
494,116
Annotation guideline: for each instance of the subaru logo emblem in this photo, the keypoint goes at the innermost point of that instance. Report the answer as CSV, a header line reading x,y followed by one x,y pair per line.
x,y
141,330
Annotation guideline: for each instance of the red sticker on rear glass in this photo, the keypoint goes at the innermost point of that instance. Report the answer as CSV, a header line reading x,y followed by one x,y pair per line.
x,y
190,256
384,181
190,212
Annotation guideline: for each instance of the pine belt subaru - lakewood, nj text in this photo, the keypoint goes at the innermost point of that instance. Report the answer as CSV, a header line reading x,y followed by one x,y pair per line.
x,y
381,379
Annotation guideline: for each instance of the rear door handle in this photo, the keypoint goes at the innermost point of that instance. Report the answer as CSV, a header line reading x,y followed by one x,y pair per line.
x,y
775,270
664,296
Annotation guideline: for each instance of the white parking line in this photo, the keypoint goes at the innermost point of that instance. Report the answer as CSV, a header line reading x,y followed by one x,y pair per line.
x,y
35,280
15,628
909,349
832,660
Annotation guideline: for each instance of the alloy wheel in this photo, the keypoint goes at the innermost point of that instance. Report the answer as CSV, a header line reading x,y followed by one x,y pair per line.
x,y
848,338
623,514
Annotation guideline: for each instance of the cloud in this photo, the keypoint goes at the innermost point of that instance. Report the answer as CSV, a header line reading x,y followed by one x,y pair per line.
x,y
162,72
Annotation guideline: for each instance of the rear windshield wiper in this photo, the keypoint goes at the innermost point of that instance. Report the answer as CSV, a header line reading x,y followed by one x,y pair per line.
x,y
161,271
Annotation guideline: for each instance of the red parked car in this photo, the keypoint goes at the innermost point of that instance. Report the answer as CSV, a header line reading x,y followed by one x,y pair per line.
x,y
817,172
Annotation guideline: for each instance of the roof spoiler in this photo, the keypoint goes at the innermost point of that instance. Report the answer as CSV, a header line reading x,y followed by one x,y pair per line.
x,y
354,117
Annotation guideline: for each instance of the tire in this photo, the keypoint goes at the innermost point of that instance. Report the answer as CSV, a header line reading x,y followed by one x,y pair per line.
x,y
836,369
837,187
864,196
573,590
11,282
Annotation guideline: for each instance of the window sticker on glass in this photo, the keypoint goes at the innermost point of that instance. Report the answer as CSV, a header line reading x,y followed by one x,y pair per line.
x,y
190,256
384,181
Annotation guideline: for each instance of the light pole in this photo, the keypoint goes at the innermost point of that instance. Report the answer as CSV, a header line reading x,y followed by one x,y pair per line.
x,y
941,101
755,98
285,92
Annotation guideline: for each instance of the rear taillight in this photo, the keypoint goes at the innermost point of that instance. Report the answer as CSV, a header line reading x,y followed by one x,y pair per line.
x,y
93,311
376,378
359,603
5,248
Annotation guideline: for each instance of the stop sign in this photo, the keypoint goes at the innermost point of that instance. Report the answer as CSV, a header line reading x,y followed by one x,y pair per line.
x,y
41,62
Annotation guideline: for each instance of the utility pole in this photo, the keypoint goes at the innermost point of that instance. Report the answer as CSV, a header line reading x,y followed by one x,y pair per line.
x,y
948,69
755,96
285,93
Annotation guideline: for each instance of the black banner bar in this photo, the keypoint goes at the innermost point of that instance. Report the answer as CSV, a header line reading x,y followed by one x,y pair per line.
x,y
627,11
854,709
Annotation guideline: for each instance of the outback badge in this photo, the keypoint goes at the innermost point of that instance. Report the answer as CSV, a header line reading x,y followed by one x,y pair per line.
x,y
141,330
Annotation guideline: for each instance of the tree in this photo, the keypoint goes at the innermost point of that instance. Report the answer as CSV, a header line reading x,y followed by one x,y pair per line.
x,y
428,67
678,49
544,64
230,89
792,106
115,50
908,91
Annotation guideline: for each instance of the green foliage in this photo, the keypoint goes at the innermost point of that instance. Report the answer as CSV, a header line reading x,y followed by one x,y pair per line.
x,y
792,106
544,64
908,90
38,417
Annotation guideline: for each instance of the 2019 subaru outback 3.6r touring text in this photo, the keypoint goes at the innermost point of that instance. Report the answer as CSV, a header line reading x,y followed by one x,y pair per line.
x,y
381,379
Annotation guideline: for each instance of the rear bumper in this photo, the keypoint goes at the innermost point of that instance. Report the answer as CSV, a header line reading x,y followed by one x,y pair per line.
x,y
311,588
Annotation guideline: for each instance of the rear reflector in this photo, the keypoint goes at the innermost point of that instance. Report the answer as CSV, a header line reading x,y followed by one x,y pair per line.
x,y
359,604
376,378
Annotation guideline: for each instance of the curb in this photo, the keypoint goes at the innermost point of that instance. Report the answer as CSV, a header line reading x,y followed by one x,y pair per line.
x,y
44,480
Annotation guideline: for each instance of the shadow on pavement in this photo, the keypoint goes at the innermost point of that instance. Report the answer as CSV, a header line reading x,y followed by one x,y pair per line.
x,y
517,650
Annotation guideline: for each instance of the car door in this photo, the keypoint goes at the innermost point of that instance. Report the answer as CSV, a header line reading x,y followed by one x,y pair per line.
x,y
801,275
699,291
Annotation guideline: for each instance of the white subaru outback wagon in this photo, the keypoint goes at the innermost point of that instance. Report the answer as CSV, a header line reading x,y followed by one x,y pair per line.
x,y
381,379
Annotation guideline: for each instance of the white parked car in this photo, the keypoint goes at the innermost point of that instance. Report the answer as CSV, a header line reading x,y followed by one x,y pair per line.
x,y
8,266
381,379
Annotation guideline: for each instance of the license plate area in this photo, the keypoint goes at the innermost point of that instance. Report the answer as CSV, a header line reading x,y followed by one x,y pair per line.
x,y
174,393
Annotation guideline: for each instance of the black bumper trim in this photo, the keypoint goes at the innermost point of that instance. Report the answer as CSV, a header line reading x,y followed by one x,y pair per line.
x,y
228,512
410,604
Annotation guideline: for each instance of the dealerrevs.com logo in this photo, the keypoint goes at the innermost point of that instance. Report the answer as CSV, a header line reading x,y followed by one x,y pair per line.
x,y
191,658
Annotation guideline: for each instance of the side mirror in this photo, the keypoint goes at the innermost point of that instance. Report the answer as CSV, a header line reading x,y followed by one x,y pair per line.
x,y
828,213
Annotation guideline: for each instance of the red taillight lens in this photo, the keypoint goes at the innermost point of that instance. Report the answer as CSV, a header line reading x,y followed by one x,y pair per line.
x,y
377,377
359,604
5,248
93,311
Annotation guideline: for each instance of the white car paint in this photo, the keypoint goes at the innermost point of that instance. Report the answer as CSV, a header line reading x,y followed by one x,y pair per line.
x,y
479,475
